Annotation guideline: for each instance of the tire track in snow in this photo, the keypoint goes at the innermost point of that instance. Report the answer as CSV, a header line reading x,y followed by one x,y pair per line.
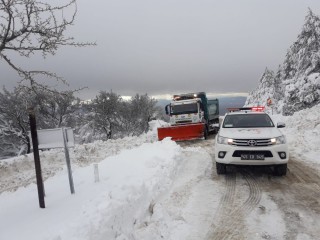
x,y
230,213
255,191
297,196
228,197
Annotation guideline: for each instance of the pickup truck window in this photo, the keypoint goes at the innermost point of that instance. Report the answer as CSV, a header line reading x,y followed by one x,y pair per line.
x,y
212,109
247,121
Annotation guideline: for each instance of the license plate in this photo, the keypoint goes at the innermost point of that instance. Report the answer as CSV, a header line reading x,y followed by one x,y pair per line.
x,y
252,157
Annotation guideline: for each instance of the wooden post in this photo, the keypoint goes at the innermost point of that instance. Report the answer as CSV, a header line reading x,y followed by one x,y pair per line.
x,y
34,137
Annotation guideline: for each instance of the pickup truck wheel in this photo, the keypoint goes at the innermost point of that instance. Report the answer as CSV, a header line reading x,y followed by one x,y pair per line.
x,y
221,168
280,170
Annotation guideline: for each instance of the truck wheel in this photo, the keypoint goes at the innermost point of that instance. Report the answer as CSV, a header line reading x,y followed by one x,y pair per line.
x,y
280,170
205,134
221,168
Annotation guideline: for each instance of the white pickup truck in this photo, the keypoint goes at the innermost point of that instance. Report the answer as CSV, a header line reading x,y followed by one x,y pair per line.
x,y
248,136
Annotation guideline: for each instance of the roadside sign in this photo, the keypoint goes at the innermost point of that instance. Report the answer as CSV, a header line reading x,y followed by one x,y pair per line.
x,y
53,138
58,138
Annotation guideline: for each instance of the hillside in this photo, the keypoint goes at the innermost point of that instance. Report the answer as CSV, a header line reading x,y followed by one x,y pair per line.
x,y
149,189
295,85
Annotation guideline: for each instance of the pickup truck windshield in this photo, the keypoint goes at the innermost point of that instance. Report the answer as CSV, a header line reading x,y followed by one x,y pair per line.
x,y
247,121
184,108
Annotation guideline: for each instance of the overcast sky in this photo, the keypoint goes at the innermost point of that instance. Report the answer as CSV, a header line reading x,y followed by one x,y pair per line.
x,y
174,46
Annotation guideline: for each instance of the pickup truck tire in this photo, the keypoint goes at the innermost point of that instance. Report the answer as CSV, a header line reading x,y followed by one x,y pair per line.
x,y
280,170
221,168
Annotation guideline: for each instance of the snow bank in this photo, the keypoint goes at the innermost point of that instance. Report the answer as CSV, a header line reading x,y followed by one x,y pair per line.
x,y
109,209
19,171
303,133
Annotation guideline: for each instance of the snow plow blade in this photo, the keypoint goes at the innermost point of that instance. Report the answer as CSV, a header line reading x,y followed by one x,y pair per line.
x,y
182,132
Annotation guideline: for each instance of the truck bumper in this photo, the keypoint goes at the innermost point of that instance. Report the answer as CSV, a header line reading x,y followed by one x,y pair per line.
x,y
182,132
275,154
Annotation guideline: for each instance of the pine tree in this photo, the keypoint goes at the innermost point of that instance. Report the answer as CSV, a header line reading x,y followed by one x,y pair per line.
x,y
296,84
303,56
265,89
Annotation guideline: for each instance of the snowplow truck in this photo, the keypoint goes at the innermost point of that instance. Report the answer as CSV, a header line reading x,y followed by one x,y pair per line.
x,y
192,116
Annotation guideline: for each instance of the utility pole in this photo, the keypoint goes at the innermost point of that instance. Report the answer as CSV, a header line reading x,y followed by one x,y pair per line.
x,y
34,137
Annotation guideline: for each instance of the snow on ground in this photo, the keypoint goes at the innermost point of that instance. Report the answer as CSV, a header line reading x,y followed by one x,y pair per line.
x,y
303,133
147,189
108,209
266,220
186,210
19,171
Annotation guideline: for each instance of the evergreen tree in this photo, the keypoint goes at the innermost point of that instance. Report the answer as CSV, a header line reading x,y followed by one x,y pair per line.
x,y
296,84
303,56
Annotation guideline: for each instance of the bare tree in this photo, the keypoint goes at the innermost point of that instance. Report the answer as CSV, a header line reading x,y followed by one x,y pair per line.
x,y
56,109
28,27
11,143
106,106
109,116
13,122
143,110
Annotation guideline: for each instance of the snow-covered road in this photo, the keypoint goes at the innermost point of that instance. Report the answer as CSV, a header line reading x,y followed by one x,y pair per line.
x,y
247,203
165,190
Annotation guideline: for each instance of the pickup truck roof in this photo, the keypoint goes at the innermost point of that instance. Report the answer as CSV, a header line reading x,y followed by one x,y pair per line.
x,y
258,109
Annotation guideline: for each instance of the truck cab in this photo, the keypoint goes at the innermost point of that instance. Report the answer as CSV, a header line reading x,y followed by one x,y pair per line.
x,y
185,111
192,116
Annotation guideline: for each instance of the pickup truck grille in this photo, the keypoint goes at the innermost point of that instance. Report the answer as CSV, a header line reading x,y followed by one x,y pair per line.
x,y
184,121
252,142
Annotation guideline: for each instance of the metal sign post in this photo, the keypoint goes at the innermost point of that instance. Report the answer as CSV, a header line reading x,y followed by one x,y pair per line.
x,y
34,136
56,138
66,151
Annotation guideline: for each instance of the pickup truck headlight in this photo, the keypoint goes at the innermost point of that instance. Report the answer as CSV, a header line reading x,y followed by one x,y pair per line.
x,y
224,140
279,140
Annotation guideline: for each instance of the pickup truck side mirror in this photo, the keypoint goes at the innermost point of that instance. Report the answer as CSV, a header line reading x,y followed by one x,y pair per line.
x,y
281,125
